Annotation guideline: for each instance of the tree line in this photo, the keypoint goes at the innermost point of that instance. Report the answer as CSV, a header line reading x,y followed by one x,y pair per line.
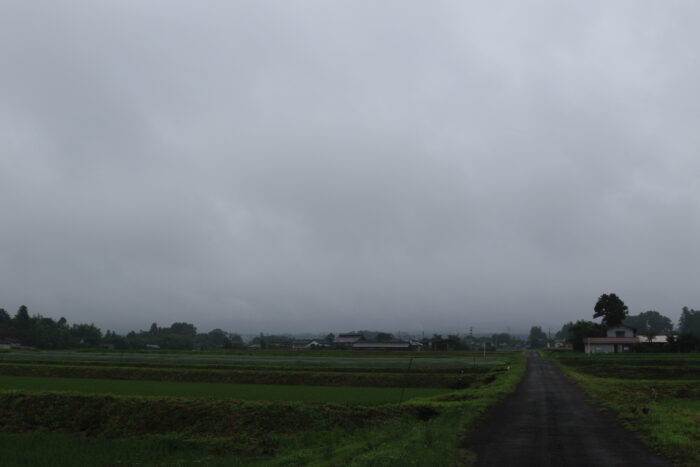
x,y
42,332
46,333
613,312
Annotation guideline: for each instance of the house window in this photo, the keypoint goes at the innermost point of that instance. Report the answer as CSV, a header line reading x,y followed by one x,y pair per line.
x,y
619,333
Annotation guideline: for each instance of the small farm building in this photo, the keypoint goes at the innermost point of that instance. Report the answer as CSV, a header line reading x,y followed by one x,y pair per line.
x,y
619,339
306,344
658,339
347,340
401,345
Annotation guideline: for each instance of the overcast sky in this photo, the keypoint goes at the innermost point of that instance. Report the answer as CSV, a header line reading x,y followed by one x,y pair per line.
x,y
285,166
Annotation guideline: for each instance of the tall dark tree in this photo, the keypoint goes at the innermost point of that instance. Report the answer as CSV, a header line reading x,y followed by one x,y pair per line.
x,y
22,317
119,342
85,335
5,324
236,341
183,329
501,339
611,308
215,339
564,332
650,323
580,329
22,323
538,338
38,332
689,323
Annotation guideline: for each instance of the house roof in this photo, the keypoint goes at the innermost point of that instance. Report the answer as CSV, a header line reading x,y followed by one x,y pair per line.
x,y
348,338
383,345
610,340
306,341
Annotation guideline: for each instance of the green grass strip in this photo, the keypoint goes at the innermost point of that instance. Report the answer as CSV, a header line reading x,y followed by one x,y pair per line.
x,y
257,376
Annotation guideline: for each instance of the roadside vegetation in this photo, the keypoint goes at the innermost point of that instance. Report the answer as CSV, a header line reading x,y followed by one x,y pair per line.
x,y
57,412
657,396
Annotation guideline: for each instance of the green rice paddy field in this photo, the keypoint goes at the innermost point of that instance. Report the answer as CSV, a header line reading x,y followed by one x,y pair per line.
x,y
315,360
243,408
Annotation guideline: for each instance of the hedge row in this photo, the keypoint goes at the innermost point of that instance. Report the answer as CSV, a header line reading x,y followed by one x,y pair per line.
x,y
261,376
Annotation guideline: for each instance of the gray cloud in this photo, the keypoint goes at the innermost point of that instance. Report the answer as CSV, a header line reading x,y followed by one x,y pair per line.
x,y
287,166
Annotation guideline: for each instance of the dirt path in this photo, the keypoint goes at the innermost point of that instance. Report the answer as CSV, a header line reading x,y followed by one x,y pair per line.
x,y
548,421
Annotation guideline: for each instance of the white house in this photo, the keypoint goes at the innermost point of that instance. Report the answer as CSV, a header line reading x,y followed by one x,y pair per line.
x,y
618,339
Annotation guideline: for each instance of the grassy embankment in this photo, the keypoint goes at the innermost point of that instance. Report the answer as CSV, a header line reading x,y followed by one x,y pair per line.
x,y
49,428
657,396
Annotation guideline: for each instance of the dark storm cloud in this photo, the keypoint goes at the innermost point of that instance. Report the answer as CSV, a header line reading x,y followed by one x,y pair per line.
x,y
285,166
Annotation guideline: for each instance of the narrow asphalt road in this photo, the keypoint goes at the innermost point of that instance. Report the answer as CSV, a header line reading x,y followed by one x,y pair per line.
x,y
549,421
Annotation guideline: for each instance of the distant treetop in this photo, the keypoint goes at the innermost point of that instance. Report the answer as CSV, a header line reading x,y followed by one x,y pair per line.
x,y
611,308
